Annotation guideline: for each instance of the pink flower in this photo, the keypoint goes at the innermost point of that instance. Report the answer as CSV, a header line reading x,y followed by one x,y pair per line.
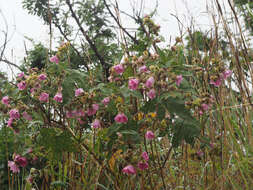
x,y
27,116
54,59
13,167
22,85
145,156
5,100
151,94
93,110
204,107
143,69
179,79
106,101
129,170
150,82
227,74
96,124
121,118
21,75
42,77
10,121
143,165
133,84
119,69
78,92
58,97
44,97
216,83
22,161
14,114
149,135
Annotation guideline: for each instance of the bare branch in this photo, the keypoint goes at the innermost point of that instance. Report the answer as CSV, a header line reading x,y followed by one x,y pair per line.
x,y
92,45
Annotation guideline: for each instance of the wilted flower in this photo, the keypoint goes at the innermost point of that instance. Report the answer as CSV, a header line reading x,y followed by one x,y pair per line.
x,y
129,170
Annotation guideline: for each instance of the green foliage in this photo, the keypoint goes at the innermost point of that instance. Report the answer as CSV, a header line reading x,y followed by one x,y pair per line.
x,y
37,57
56,142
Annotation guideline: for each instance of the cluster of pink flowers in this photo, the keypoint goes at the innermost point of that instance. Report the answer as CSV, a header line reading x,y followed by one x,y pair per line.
x,y
121,118
223,76
142,165
19,161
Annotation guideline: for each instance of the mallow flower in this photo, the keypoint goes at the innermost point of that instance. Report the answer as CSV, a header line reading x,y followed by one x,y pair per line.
x,y
129,169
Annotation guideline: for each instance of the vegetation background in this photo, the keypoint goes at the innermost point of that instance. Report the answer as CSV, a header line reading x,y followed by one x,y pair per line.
x,y
186,103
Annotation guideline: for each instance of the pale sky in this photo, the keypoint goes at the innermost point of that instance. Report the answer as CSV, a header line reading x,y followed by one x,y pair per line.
x,y
21,24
